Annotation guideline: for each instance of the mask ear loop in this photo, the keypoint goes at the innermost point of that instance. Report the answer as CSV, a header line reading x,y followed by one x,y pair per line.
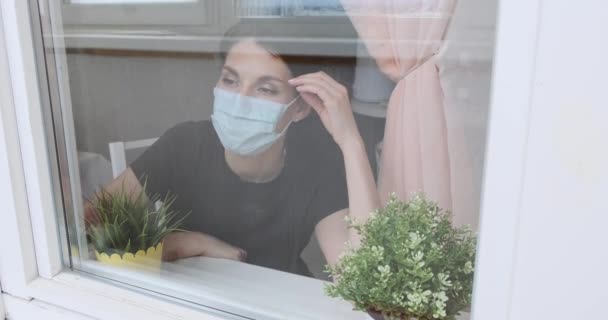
x,y
290,121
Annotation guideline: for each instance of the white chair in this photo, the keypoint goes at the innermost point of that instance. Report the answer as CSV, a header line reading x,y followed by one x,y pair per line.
x,y
118,153
118,156
95,172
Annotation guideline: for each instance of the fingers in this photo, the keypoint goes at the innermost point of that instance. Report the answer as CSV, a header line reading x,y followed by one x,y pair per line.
x,y
311,99
219,249
319,91
329,91
323,79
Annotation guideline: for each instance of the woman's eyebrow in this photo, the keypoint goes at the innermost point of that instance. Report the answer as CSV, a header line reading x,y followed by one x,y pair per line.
x,y
260,79
271,78
231,70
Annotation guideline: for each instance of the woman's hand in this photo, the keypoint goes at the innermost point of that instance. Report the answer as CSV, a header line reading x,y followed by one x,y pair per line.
x,y
179,245
330,100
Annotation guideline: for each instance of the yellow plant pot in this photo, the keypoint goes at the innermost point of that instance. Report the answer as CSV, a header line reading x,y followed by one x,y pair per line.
x,y
149,259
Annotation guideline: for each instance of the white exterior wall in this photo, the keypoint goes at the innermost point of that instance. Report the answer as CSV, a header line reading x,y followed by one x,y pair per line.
x,y
29,310
558,258
561,259
559,252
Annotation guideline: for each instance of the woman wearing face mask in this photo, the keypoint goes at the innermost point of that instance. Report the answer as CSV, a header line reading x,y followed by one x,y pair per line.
x,y
265,172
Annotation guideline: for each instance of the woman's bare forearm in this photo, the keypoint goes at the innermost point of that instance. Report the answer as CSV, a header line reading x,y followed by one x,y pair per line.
x,y
331,101
125,182
177,245
363,196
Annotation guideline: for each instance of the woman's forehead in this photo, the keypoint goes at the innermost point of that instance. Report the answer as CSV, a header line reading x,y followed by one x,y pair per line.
x,y
249,59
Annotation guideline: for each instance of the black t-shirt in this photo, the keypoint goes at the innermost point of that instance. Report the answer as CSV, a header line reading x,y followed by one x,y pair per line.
x,y
272,221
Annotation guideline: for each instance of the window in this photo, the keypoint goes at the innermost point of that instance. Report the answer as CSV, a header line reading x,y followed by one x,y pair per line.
x,y
248,8
106,2
257,210
137,12
542,145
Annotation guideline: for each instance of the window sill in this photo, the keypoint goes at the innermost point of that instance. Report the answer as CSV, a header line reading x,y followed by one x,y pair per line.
x,y
102,300
235,288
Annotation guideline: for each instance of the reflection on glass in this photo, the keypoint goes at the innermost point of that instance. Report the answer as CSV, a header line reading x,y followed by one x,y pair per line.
x,y
114,2
262,172
240,180
285,8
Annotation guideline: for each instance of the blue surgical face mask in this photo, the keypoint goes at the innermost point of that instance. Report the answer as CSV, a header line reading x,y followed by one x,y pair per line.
x,y
246,125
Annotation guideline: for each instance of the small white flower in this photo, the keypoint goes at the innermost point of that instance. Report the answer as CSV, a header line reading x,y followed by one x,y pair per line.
x,y
418,256
444,280
384,269
440,296
468,267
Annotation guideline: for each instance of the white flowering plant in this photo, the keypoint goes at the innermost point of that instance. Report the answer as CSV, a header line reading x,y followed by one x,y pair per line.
x,y
411,264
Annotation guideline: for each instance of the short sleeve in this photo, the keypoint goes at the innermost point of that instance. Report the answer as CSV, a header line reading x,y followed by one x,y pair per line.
x,y
331,193
156,166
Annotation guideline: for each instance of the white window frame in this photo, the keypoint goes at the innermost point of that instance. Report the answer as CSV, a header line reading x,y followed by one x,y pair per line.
x,y
198,13
30,254
2,308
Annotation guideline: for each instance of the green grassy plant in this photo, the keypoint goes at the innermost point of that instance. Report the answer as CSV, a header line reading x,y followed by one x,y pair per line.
x,y
125,222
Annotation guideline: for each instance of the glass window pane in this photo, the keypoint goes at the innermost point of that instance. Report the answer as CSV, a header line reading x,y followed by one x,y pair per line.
x,y
223,163
265,8
114,2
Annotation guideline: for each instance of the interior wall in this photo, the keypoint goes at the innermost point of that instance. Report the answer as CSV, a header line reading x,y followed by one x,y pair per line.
x,y
129,97
122,98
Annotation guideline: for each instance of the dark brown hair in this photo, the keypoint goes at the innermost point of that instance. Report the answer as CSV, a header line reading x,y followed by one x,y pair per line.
x,y
280,43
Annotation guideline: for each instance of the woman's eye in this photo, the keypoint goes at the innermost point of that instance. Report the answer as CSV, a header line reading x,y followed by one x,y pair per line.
x,y
228,81
267,91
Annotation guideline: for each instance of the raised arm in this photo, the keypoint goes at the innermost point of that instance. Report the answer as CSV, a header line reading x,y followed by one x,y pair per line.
x,y
331,102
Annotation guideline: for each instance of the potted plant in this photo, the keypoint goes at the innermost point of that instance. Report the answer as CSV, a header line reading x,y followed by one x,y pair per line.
x,y
411,264
126,230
